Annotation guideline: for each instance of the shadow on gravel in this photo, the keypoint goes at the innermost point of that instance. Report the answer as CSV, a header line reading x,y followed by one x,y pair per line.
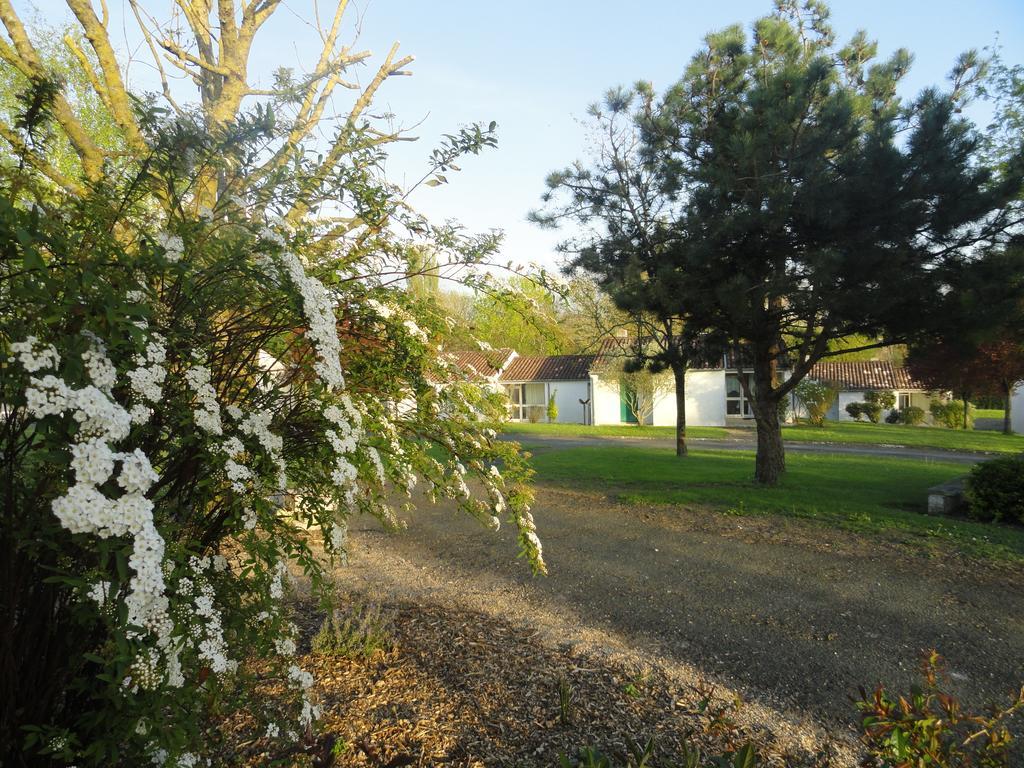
x,y
795,616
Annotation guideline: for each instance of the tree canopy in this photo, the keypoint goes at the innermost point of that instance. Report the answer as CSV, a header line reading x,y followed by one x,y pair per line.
x,y
801,201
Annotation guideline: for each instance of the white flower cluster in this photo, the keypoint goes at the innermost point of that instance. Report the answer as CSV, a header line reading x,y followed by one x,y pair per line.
x,y
344,440
174,246
323,325
303,680
207,415
147,378
257,425
84,508
212,646
381,309
414,330
34,355
101,371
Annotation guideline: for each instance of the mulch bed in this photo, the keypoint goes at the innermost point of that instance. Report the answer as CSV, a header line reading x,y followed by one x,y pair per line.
x,y
464,689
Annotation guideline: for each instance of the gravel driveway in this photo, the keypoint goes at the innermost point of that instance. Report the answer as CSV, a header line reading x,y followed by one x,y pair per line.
x,y
793,616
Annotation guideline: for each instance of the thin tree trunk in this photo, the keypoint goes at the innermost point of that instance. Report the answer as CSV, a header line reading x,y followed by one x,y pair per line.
x,y
679,374
966,406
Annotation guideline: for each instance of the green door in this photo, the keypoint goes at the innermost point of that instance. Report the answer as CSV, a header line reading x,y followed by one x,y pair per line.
x,y
626,415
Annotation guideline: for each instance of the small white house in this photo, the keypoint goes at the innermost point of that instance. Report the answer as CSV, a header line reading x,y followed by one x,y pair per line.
x,y
855,379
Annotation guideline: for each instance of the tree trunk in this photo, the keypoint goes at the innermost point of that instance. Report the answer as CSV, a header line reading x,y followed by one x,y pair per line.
x,y
771,455
679,374
966,406
1007,405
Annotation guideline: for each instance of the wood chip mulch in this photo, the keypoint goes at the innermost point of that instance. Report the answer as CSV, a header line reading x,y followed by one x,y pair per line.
x,y
464,689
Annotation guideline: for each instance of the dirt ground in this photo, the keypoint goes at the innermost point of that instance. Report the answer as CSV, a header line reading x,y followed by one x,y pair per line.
x,y
790,615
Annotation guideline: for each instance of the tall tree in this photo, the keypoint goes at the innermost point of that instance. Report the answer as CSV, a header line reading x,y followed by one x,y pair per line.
x,y
815,204
622,210
975,343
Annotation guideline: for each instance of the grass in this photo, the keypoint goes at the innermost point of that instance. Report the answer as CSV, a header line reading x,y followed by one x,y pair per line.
x,y
989,413
848,432
856,493
902,434
609,430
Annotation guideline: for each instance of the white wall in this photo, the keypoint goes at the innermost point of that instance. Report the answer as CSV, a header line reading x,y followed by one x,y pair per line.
x,y
605,403
1017,409
705,401
567,399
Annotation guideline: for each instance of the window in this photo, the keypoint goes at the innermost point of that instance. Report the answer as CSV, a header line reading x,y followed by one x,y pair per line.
x,y
903,400
527,402
736,402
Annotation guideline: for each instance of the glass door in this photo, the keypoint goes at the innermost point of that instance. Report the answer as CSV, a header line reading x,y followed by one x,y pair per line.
x,y
736,402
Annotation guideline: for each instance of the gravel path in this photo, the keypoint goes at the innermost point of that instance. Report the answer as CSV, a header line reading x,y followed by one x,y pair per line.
x,y
793,616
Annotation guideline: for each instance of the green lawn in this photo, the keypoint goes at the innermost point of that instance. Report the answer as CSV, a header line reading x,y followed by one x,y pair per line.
x,y
901,434
832,432
863,494
608,430
989,413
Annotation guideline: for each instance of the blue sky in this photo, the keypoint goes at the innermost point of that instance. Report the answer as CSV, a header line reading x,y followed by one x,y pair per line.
x,y
534,67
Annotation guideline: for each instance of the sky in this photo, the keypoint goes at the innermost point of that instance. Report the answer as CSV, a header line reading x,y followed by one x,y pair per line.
x,y
534,66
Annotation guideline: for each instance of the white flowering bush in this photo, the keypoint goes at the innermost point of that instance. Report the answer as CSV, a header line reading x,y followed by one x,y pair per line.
x,y
194,403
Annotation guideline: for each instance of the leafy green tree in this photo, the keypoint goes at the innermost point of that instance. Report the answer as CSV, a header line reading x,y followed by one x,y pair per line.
x,y
61,53
815,204
622,209
520,312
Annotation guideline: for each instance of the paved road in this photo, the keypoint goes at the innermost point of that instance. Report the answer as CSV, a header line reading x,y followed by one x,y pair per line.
x,y
793,615
739,444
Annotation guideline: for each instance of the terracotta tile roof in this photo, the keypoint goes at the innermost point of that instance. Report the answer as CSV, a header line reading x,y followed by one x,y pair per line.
x,y
864,374
549,368
483,364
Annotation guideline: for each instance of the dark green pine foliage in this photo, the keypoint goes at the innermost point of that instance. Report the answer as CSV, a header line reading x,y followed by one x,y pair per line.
x,y
814,204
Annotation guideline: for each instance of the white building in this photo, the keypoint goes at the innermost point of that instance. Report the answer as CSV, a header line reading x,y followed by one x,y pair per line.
x,y
586,389
855,379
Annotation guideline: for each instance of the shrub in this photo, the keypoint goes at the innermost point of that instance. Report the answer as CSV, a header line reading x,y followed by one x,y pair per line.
x,y
168,374
816,397
995,489
929,728
872,411
361,632
912,415
884,399
893,417
951,414
552,408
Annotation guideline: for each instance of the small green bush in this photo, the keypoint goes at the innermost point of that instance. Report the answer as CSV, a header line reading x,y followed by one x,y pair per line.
x,y
995,490
552,408
912,415
929,728
359,633
873,411
816,397
884,399
951,414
